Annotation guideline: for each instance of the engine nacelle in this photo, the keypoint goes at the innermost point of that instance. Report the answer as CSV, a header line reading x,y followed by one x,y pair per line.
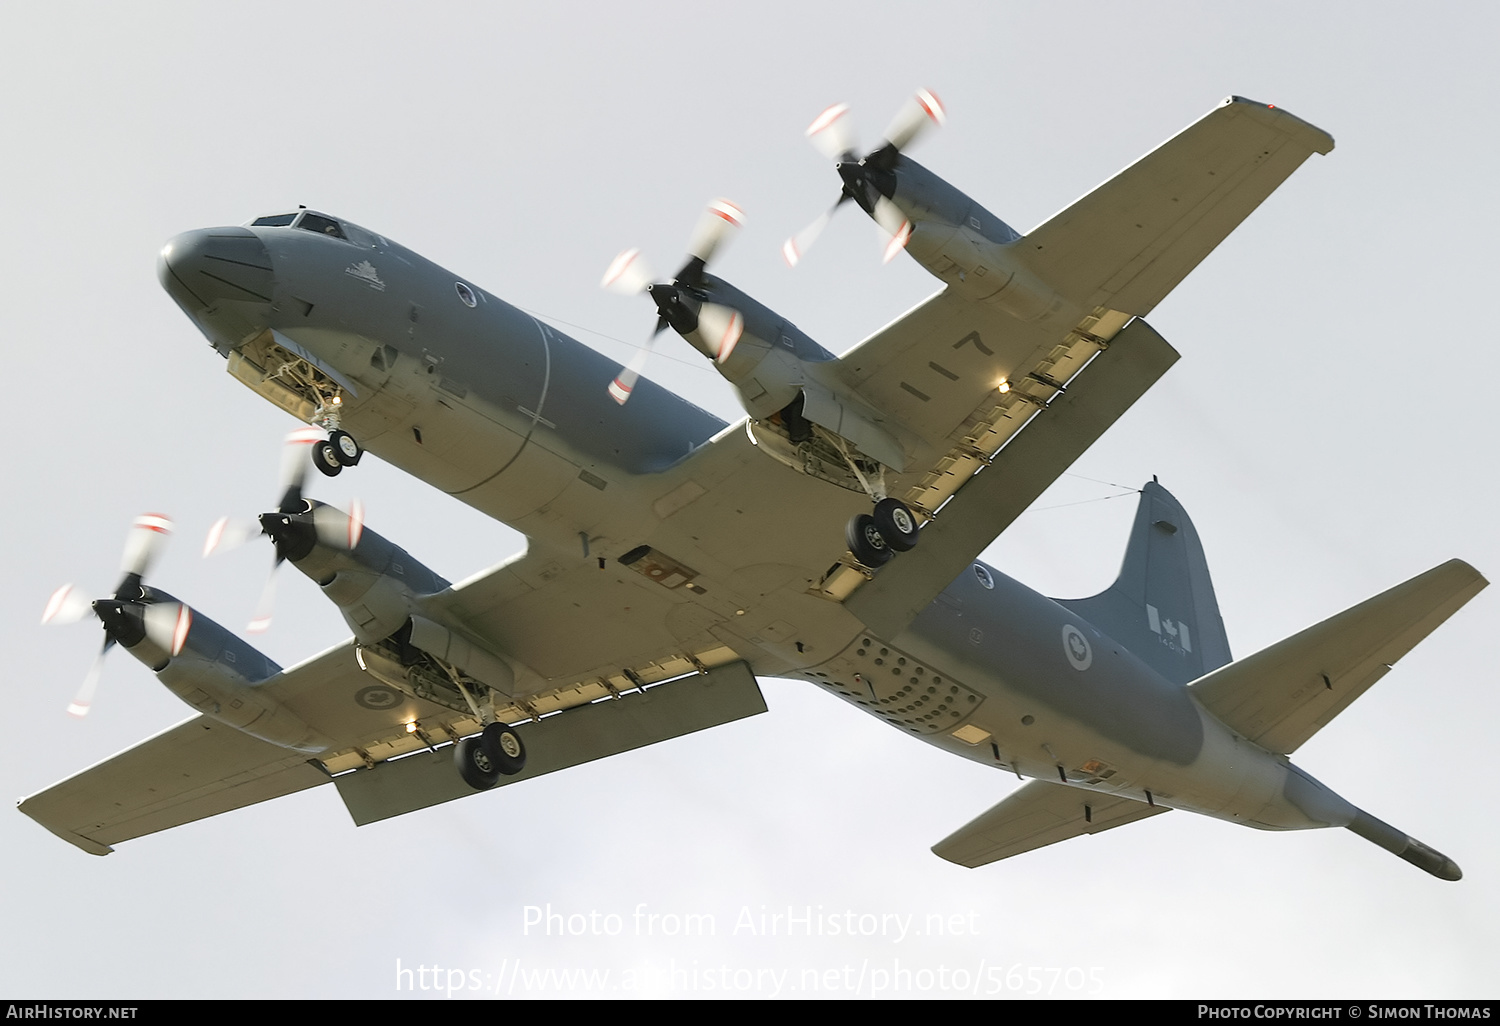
x,y
779,371
384,595
375,583
208,667
973,251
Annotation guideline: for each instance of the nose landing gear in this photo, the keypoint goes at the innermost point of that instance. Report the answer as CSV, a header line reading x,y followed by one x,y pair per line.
x,y
337,451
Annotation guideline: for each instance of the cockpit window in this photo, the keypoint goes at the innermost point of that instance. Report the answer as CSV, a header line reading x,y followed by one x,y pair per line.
x,y
275,220
322,225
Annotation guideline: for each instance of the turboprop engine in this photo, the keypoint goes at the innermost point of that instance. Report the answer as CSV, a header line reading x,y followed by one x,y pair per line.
x,y
207,666
978,255
388,598
781,376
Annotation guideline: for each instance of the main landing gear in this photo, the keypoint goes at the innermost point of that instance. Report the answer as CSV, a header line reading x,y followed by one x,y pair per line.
x,y
337,451
482,760
875,537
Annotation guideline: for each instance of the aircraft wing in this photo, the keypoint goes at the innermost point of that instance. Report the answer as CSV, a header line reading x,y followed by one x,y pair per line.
x,y
202,767
1037,814
991,499
1128,243
196,769
1283,695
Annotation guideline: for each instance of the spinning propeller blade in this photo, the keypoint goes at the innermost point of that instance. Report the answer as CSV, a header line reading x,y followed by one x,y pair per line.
x,y
143,544
629,274
868,179
331,526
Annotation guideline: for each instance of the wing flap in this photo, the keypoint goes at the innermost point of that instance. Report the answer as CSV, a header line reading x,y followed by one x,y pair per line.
x,y
194,770
1129,242
1283,695
571,738
989,501
1038,814
930,369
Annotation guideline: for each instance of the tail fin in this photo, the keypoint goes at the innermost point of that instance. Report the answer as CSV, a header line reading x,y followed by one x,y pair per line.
x,y
1162,607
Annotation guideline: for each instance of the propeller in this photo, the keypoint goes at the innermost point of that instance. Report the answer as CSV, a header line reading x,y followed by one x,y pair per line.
x,y
294,527
868,180
133,613
681,303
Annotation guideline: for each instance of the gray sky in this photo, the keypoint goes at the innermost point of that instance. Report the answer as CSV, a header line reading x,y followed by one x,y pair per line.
x,y
1329,429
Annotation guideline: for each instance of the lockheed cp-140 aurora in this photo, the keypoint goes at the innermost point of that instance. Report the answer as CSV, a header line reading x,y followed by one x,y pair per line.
x,y
649,596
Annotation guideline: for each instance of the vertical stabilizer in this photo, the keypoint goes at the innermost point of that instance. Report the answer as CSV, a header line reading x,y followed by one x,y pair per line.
x,y
1162,607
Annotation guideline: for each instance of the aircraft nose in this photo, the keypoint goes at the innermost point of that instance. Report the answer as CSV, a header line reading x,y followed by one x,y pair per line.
x,y
201,268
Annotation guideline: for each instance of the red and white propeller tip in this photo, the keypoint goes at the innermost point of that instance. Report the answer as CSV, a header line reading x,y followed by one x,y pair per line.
x,y
295,456
832,132
66,605
793,248
82,701
627,274
143,543
721,220
624,382
895,224
918,112
721,327
338,529
167,625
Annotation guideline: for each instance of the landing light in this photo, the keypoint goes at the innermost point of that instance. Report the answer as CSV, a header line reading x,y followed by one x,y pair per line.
x,y
411,728
1004,386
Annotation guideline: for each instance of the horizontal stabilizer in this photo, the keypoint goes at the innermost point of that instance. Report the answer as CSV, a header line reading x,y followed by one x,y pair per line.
x,y
1283,695
1023,470
1038,814
571,738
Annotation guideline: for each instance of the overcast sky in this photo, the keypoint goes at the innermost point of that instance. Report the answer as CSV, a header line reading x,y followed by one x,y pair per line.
x,y
1329,428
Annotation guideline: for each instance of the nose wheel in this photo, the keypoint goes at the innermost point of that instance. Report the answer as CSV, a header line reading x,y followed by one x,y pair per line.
x,y
337,451
874,538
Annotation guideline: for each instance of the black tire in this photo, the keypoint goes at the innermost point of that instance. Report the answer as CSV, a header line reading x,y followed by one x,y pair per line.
x,y
325,458
866,542
504,747
896,524
345,449
474,765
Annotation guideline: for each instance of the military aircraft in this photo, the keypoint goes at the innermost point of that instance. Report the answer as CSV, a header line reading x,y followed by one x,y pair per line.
x,y
654,588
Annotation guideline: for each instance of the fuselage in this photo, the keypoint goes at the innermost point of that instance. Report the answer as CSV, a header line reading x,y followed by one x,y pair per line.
x,y
493,406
